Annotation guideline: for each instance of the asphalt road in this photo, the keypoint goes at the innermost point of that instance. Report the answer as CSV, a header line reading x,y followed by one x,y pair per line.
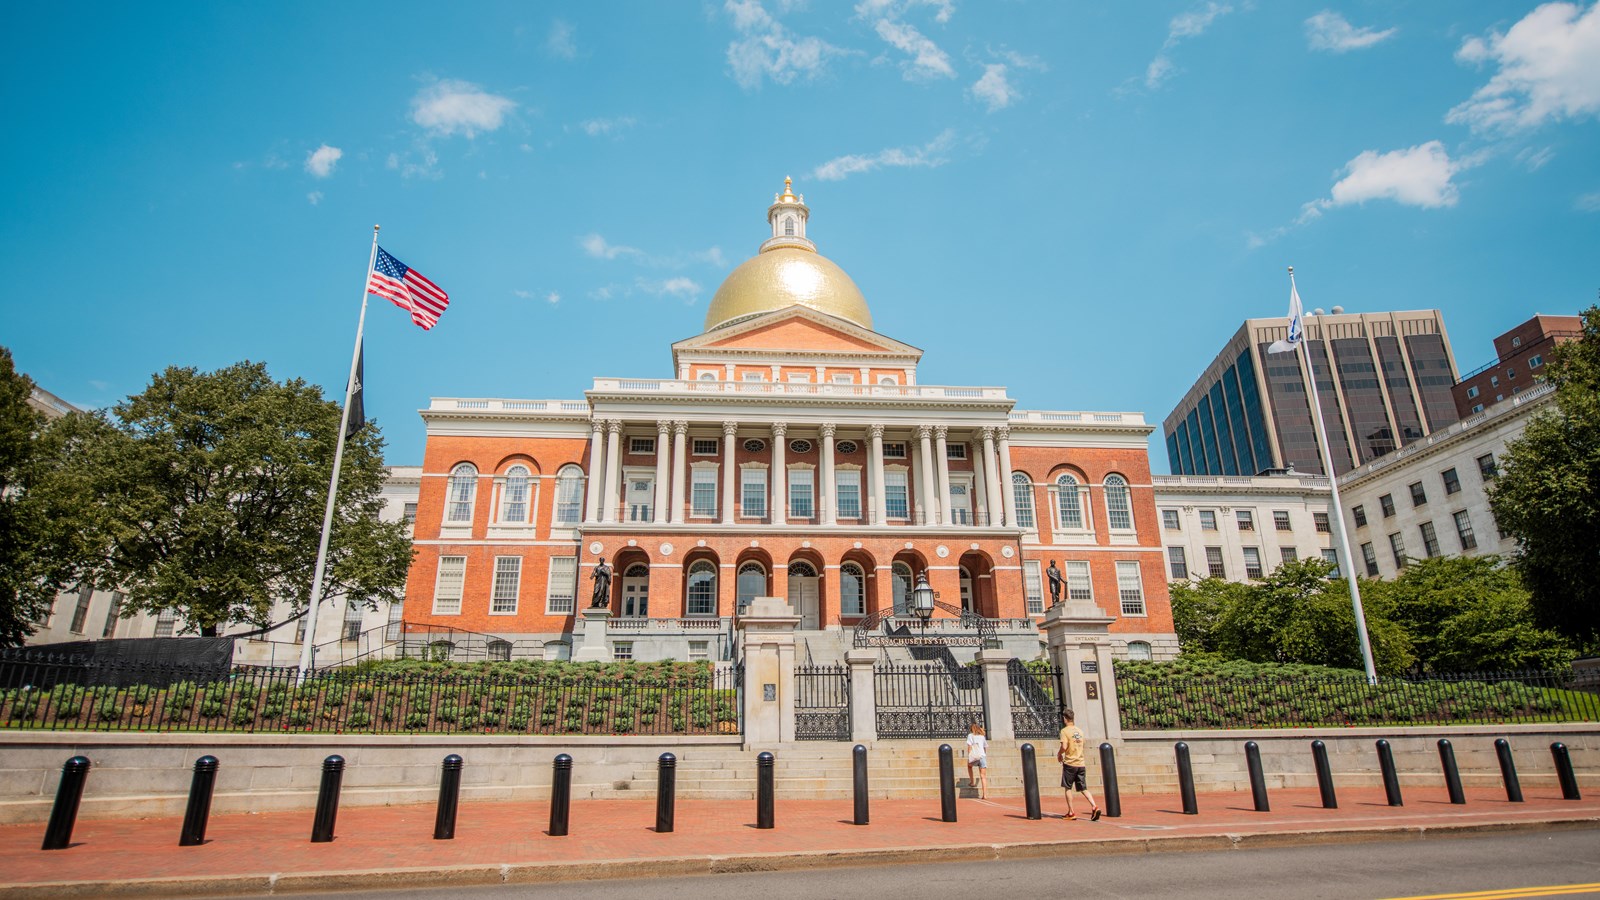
x,y
1539,864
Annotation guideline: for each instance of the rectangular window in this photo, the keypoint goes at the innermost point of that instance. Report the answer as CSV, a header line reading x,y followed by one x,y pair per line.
x,y
753,493
1177,563
562,585
1130,588
642,445
640,497
167,620
1430,541
622,650
955,451
1397,547
705,446
397,618
1370,557
1079,586
1535,362
1452,481
1487,467
1469,541
843,379
1252,562
80,613
1332,559
896,499
1419,496
1359,514
112,615
1032,586
1478,408
1386,503
753,377
1280,520
1208,520
699,650
410,514
1288,554
299,630
447,586
894,450
800,494
1214,566
1170,521
703,492
799,378
1472,392
352,621
507,584
1320,522
847,488
1246,519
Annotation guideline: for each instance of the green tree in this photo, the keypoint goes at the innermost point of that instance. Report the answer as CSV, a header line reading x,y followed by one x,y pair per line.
x,y
1547,496
1197,608
210,489
1472,614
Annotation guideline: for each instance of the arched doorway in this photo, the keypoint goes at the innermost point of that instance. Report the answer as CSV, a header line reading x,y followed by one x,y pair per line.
x,y
966,590
804,594
636,592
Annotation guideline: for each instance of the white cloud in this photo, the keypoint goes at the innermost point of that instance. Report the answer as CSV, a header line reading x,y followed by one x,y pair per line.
x,y
314,197
1417,176
603,127
1549,69
1183,26
320,162
426,165
712,256
552,298
1533,159
927,59
1327,30
597,247
458,107
681,287
1588,202
561,42
766,49
994,89
929,155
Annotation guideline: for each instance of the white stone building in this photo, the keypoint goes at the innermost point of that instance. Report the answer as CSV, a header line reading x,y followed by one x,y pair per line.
x,y
1241,528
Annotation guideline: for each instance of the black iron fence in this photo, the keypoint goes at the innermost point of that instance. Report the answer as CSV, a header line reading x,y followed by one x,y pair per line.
x,y
573,698
1036,700
1151,700
822,703
927,701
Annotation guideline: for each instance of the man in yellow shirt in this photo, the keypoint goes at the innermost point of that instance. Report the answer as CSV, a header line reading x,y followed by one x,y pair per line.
x,y
1074,776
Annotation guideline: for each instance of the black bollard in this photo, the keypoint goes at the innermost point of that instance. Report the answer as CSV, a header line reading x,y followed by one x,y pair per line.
x,y
666,788
1030,783
1391,778
199,809
58,834
1569,779
1258,780
444,822
1319,757
327,800
1186,779
1108,781
1452,778
1508,770
947,784
561,795
764,790
859,757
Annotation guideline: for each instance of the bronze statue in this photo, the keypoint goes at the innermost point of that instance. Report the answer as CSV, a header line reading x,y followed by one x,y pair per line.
x,y
602,585
1054,574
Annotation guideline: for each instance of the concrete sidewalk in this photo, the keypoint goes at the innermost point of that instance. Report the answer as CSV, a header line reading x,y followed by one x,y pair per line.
x,y
379,847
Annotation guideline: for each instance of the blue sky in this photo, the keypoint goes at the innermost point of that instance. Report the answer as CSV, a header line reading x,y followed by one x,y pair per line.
x,y
1079,201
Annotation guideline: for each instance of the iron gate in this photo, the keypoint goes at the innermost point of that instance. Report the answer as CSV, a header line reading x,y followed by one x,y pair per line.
x,y
822,703
927,701
1036,700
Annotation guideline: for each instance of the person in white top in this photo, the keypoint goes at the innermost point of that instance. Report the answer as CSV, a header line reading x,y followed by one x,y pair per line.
x,y
978,758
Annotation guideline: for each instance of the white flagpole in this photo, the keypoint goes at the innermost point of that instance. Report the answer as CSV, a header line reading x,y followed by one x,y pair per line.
x,y
333,483
1347,563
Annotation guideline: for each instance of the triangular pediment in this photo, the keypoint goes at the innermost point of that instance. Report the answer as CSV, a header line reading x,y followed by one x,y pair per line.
x,y
796,329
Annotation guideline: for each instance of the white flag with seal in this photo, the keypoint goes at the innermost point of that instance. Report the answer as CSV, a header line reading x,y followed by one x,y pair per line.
x,y
1295,314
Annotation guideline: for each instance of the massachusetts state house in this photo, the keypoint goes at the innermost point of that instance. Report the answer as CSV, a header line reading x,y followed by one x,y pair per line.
x,y
790,452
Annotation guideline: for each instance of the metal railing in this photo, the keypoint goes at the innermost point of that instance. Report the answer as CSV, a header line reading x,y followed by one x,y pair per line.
x,y
1151,701
822,702
927,701
1037,700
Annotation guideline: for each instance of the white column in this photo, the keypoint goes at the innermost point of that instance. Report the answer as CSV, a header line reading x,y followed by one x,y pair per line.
x,y
662,427
730,472
591,512
928,499
680,469
989,467
880,497
1007,494
610,497
825,481
942,468
980,485
780,475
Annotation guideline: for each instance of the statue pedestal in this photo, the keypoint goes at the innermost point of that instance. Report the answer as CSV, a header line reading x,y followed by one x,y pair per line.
x,y
594,647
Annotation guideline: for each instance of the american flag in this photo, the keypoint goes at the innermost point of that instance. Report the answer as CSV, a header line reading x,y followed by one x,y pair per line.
x,y
408,290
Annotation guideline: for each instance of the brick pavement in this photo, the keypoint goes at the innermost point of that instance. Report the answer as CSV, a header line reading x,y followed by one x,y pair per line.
x,y
378,846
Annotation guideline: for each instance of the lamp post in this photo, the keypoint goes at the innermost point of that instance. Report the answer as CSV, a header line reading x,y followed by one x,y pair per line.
x,y
922,599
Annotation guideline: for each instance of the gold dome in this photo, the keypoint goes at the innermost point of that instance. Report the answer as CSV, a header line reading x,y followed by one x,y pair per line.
x,y
786,276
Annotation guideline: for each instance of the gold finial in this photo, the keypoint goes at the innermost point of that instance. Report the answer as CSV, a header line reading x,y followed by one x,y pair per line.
x,y
788,188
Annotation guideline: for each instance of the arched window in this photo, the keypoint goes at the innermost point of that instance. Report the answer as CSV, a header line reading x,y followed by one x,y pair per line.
x,y
702,590
1138,650
514,496
902,589
1069,503
1022,489
499,650
708,376
557,650
752,583
788,226
569,495
463,488
852,593
1119,509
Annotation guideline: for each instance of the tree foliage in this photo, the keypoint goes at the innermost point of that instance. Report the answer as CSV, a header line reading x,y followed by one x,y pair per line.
x,y
1469,614
209,489
1547,496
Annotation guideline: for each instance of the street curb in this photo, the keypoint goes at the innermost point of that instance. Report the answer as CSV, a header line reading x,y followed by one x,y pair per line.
x,y
670,867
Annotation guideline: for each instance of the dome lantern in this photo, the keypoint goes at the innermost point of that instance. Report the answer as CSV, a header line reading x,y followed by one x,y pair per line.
x,y
787,215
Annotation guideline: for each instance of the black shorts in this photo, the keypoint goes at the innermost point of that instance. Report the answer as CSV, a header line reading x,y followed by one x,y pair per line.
x,y
1074,778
